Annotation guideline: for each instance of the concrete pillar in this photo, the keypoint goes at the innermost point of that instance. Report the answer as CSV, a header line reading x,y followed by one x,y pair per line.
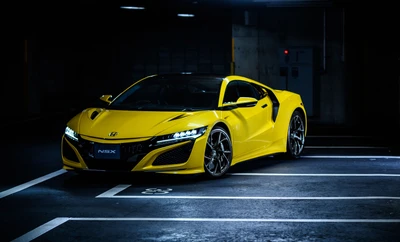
x,y
246,50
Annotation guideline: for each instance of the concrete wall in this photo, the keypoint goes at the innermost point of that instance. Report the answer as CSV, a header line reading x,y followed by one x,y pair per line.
x,y
358,86
259,34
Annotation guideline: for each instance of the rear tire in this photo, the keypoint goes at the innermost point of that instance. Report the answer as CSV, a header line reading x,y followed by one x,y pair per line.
x,y
218,153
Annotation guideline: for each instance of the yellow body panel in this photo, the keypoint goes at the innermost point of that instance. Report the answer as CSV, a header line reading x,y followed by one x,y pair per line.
x,y
252,130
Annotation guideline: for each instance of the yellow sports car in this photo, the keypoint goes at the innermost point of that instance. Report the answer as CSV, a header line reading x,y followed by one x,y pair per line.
x,y
185,124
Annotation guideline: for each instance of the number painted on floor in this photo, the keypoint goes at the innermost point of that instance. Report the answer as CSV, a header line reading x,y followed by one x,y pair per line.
x,y
156,191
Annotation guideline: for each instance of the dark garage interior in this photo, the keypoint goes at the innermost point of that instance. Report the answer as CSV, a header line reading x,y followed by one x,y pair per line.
x,y
93,48
343,57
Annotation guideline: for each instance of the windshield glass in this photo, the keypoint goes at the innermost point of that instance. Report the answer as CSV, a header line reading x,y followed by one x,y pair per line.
x,y
171,93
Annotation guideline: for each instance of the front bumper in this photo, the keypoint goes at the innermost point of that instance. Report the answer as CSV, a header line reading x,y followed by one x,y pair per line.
x,y
184,157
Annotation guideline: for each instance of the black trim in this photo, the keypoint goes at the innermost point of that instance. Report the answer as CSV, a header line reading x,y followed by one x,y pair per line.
x,y
131,154
178,155
94,115
247,105
177,117
68,152
275,104
193,74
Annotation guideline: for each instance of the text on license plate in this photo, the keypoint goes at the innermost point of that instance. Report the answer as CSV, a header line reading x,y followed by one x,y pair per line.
x,y
102,151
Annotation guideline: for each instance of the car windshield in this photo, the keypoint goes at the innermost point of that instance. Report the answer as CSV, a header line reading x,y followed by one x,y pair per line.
x,y
171,93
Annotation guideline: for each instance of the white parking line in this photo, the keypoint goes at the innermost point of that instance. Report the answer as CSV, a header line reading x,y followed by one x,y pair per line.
x,y
39,231
33,234
31,183
253,198
113,191
301,174
350,157
344,147
340,136
241,220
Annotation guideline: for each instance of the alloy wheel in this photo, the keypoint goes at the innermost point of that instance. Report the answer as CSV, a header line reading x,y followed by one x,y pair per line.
x,y
218,154
296,135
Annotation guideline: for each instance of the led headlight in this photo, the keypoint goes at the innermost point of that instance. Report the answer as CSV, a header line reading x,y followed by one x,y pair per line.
x,y
71,133
181,136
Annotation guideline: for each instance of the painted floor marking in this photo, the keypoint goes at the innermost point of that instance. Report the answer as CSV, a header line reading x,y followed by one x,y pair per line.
x,y
239,220
31,183
112,193
318,175
253,198
39,231
341,136
350,157
33,234
343,147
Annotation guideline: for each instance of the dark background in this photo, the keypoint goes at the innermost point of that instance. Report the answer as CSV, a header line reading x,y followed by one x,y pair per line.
x,y
58,57
61,56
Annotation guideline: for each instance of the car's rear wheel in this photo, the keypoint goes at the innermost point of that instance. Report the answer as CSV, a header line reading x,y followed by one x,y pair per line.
x,y
218,153
296,135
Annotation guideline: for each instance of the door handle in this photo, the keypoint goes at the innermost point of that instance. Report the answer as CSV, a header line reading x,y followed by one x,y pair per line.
x,y
265,105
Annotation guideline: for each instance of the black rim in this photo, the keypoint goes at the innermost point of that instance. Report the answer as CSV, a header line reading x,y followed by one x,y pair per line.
x,y
296,135
218,153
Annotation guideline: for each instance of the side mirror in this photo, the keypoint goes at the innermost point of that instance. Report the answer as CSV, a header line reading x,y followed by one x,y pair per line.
x,y
246,102
106,98
242,102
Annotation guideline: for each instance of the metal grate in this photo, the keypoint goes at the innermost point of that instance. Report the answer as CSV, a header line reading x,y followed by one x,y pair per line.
x,y
176,156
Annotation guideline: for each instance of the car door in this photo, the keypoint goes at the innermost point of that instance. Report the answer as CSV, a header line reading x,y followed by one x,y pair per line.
x,y
251,124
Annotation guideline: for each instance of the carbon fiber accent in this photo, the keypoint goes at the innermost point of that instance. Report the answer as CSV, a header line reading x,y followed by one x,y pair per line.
x,y
176,156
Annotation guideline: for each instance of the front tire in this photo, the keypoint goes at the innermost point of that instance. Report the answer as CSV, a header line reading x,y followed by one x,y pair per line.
x,y
296,135
218,153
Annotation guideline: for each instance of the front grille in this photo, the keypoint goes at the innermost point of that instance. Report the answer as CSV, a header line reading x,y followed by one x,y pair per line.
x,y
176,156
131,155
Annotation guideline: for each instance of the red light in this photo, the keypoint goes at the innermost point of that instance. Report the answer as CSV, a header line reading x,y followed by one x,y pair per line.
x,y
286,52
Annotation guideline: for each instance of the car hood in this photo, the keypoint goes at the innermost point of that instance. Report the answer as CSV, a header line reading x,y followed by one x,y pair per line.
x,y
99,123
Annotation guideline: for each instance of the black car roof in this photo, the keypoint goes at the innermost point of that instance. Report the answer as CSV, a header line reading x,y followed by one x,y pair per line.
x,y
192,74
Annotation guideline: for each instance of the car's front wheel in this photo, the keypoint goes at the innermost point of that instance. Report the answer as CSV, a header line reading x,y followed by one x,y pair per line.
x,y
218,153
296,135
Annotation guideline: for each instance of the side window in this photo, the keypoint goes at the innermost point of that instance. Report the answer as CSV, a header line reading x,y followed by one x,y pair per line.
x,y
231,94
262,92
247,90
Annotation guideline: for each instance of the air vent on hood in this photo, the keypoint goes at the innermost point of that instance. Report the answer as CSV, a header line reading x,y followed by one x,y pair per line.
x,y
94,115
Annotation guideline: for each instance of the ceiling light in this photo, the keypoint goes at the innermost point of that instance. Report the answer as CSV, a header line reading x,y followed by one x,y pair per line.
x,y
185,15
132,7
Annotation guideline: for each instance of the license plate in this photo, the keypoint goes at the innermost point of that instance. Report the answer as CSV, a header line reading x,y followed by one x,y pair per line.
x,y
102,151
